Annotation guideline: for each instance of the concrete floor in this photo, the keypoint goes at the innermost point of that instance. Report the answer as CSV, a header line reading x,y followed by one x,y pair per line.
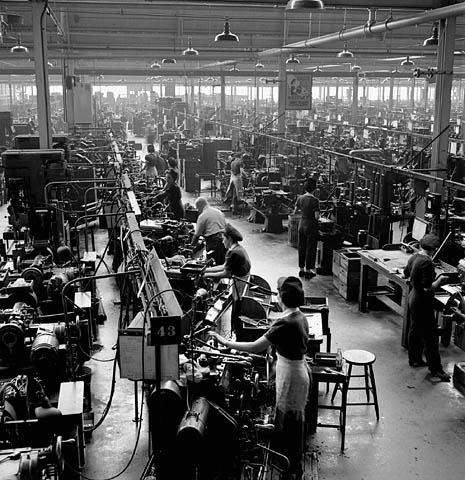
x,y
421,431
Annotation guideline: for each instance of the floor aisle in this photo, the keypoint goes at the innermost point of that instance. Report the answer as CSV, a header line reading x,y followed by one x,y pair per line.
x,y
421,431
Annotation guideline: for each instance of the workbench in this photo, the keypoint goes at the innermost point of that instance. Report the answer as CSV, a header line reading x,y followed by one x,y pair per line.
x,y
389,264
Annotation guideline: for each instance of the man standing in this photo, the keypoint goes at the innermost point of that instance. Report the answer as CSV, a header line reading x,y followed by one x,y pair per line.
x,y
423,332
211,225
309,205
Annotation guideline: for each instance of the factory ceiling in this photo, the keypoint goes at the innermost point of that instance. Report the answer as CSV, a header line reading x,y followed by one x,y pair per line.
x,y
131,38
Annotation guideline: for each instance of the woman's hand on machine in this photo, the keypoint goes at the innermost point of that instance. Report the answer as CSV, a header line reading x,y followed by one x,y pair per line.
x,y
218,337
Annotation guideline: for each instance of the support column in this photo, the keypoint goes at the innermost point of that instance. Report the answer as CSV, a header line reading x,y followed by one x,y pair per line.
x,y
282,101
353,120
442,102
412,94
10,94
426,93
223,104
68,93
391,93
39,18
337,93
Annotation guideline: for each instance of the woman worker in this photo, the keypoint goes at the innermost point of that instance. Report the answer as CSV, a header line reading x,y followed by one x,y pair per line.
x,y
289,334
172,192
151,171
237,265
423,331
309,205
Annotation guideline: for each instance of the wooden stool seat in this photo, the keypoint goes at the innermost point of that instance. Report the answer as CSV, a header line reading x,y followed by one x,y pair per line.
x,y
359,357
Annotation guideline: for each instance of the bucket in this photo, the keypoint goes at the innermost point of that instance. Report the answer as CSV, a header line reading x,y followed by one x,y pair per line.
x,y
293,229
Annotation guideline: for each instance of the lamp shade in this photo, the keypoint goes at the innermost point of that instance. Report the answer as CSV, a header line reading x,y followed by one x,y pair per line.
x,y
18,48
305,5
345,53
155,65
226,35
234,69
407,62
433,40
168,60
356,68
259,66
293,60
189,51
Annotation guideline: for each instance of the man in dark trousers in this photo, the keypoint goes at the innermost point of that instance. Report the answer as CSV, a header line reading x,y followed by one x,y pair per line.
x,y
309,205
211,225
423,332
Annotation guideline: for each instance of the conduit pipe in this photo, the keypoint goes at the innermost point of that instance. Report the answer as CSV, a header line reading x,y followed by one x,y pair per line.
x,y
367,30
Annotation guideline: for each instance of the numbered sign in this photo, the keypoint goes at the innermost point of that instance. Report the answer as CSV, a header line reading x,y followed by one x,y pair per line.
x,y
165,331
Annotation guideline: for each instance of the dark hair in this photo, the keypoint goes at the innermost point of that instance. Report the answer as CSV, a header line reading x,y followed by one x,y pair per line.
x,y
150,148
173,173
291,292
310,185
430,242
172,162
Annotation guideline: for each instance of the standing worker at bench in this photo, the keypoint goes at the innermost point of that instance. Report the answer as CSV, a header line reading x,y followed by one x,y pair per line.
x,y
211,225
309,205
289,334
423,331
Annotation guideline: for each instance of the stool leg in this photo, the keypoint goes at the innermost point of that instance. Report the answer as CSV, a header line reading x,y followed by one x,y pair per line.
x,y
367,383
342,414
375,394
336,386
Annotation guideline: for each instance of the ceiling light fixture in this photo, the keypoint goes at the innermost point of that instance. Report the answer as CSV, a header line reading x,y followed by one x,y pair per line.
x,y
18,48
407,62
433,40
234,69
345,53
293,60
259,66
226,35
356,68
189,51
155,65
305,5
317,70
168,60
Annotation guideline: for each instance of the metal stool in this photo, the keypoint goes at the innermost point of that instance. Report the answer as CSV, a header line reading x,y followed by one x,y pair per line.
x,y
361,358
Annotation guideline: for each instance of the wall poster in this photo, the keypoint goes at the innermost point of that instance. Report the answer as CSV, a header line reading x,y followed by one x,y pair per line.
x,y
298,91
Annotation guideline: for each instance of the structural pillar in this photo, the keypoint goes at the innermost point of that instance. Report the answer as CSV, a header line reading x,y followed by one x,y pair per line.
x,y
282,100
222,104
353,120
39,18
426,92
442,104
391,93
412,94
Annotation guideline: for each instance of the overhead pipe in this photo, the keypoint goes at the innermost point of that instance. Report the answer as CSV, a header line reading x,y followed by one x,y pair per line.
x,y
374,29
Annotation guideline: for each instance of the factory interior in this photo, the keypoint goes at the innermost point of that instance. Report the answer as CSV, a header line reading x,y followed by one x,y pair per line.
x,y
232,239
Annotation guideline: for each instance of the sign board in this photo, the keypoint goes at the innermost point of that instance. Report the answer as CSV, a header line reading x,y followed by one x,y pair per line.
x,y
165,331
298,91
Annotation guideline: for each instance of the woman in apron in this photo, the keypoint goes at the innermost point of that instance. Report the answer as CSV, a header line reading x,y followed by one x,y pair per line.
x,y
289,334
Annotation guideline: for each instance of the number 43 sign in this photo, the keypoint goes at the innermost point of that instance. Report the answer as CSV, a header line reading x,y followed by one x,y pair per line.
x,y
165,331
